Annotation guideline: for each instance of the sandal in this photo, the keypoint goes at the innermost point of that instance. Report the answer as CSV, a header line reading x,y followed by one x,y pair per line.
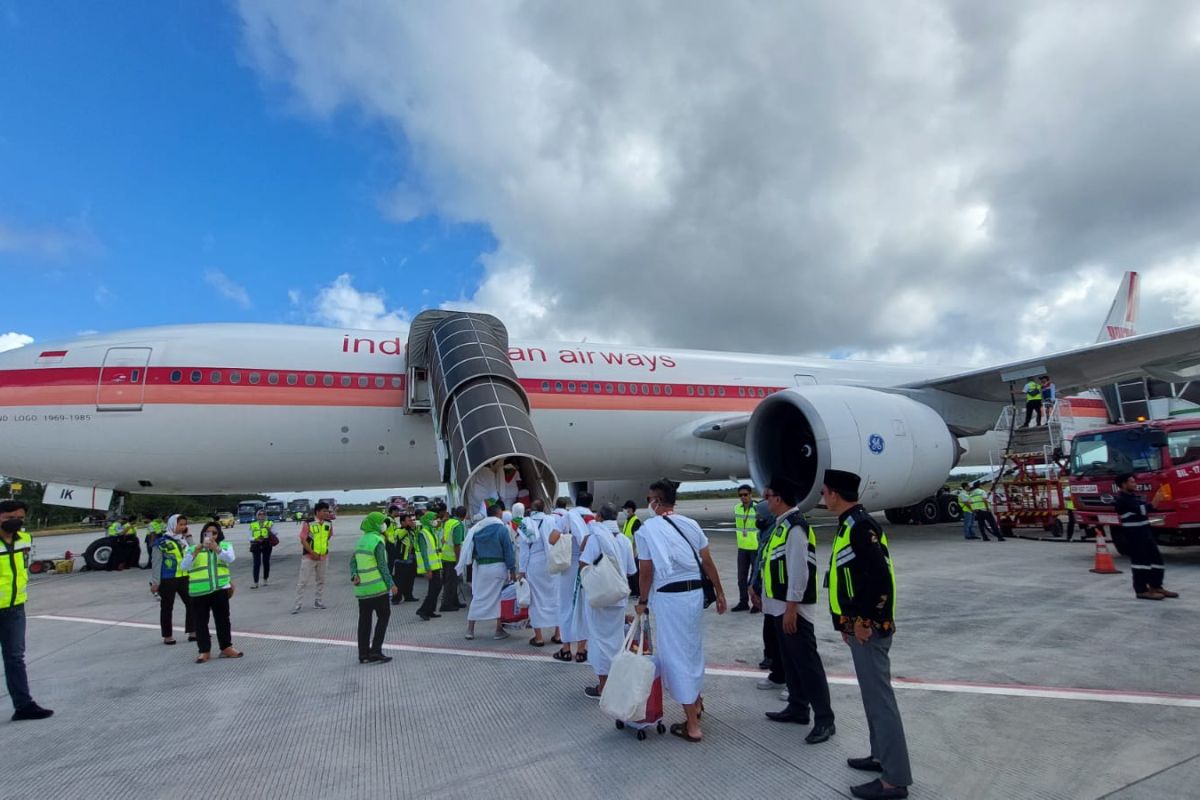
x,y
534,641
561,655
555,640
202,658
581,657
168,641
680,729
229,652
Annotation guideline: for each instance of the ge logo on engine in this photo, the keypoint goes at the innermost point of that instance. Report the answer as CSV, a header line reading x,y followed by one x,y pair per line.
x,y
875,443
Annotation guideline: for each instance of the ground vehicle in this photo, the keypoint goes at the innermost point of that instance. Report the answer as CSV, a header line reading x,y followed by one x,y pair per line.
x,y
274,510
1164,457
300,509
398,500
248,509
332,506
226,519
419,503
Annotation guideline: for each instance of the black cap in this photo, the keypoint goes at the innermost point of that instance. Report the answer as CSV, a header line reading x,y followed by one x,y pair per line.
x,y
844,483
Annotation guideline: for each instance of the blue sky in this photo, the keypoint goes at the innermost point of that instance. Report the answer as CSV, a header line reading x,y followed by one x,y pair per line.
x,y
146,166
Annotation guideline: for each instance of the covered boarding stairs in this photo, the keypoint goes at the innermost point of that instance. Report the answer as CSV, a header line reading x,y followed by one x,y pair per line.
x,y
460,374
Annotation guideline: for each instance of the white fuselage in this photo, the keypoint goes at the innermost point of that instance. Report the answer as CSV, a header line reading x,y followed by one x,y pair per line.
x,y
232,408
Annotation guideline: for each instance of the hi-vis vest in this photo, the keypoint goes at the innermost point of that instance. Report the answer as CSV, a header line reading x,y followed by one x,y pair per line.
x,y
979,499
390,532
841,579
629,523
428,557
448,528
318,537
172,555
964,501
774,564
1033,391
207,575
115,529
158,527
260,530
747,531
14,569
368,568
1068,503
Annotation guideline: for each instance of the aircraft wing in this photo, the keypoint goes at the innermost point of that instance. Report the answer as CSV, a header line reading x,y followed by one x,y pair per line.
x,y
1172,355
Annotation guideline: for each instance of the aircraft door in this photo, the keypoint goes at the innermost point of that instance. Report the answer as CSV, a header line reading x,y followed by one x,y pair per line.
x,y
123,379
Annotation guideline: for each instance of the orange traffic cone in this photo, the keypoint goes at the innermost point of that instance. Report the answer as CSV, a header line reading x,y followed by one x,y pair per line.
x,y
1104,559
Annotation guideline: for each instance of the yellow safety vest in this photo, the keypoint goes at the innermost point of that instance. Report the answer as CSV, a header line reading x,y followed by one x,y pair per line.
x,y
979,500
115,529
1033,391
14,569
774,563
747,532
964,501
367,567
841,582
449,556
207,575
430,560
318,537
260,530
1068,503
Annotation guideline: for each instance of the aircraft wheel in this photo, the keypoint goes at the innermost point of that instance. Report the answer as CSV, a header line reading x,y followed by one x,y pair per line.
x,y
98,554
926,512
950,510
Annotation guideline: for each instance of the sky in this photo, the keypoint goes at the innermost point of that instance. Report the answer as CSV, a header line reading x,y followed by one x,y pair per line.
x,y
944,182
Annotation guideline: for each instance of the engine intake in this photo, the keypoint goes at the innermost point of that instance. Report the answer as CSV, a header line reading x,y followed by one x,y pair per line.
x,y
901,448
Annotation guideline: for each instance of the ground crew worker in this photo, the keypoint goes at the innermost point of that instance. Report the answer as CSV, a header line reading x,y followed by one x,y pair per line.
x,y
314,539
126,549
1033,401
372,584
632,523
963,496
404,567
980,508
209,587
862,601
454,533
261,547
429,564
168,580
1069,504
1145,561
789,597
15,547
152,532
747,544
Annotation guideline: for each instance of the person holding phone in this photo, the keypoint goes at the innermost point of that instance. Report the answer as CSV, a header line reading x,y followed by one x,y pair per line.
x,y
168,579
210,587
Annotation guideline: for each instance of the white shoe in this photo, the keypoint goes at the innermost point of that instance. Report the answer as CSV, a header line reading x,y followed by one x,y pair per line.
x,y
501,634
783,695
766,683
254,586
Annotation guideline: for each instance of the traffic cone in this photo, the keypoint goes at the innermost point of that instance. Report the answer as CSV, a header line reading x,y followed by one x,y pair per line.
x,y
1104,559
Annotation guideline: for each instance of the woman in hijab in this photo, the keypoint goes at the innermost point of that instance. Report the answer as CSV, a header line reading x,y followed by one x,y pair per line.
x,y
168,579
210,587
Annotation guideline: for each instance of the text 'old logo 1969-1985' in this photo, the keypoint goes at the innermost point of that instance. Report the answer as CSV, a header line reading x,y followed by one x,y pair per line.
x,y
875,443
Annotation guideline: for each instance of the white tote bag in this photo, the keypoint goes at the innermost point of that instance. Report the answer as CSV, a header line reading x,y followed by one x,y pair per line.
x,y
604,583
524,595
630,679
559,558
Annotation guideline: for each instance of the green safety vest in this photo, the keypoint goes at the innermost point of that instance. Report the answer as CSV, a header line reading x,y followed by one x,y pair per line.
x,y
318,537
774,563
979,500
964,501
428,558
158,528
172,555
368,568
207,575
1033,391
14,569
1068,503
114,529
449,527
841,581
629,523
747,531
260,530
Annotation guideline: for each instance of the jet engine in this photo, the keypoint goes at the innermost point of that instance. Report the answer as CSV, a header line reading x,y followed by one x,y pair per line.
x,y
901,448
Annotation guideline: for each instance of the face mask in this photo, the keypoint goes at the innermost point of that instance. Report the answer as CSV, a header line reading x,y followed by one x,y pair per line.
x,y
12,526
651,505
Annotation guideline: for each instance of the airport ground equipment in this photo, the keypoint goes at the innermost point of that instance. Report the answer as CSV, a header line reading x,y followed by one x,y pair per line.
x,y
1104,560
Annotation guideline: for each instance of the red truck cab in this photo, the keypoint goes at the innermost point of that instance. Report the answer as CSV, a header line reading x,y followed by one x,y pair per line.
x,y
1164,457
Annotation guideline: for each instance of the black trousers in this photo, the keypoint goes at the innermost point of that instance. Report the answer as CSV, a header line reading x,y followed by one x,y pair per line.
x,y
1145,562
262,559
218,604
803,670
987,520
149,550
745,565
1070,524
771,651
449,588
168,590
429,604
405,575
368,606
1032,406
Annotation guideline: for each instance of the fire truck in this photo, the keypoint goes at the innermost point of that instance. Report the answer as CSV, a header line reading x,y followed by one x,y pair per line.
x,y
1164,457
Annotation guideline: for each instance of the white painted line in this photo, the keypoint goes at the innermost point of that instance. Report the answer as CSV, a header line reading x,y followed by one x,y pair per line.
x,y
916,684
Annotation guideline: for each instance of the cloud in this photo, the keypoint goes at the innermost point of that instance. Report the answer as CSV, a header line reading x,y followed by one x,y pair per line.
x,y
48,242
11,340
227,288
933,180
340,305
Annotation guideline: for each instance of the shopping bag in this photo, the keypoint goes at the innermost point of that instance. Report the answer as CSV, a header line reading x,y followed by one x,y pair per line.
x,y
630,680
604,583
524,595
559,560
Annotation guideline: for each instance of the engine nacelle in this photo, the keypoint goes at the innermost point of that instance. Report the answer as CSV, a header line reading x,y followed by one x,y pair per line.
x,y
901,448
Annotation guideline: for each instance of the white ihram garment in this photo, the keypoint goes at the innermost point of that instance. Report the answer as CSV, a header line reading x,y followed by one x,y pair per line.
x,y
543,587
573,619
606,626
679,625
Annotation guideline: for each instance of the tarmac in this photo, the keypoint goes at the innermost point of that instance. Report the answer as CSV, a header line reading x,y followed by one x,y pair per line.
x,y
1019,674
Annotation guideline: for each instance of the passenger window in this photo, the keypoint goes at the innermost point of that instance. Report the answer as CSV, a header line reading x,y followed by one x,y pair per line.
x,y
396,383
255,378
195,376
310,380
667,390
596,388
657,389
545,386
721,391
346,381
214,376
608,388
380,382
691,391
327,380
620,388
292,379
558,387
176,376
235,377
571,386
273,378
583,387
362,381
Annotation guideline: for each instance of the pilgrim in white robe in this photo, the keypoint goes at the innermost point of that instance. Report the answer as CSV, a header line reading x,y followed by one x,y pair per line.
x,y
543,587
606,625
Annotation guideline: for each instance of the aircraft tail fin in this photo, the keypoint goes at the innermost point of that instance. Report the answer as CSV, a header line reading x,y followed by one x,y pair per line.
x,y
1121,322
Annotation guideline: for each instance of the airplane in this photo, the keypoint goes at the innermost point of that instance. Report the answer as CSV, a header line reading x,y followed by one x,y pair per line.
x,y
229,408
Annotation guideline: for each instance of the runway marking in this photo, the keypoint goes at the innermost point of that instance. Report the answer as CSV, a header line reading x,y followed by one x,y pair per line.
x,y
913,684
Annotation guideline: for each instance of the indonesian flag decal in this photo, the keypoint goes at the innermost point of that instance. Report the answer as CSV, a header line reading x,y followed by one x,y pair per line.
x,y
51,356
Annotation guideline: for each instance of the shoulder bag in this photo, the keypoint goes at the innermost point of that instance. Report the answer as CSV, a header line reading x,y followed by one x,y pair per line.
x,y
706,584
